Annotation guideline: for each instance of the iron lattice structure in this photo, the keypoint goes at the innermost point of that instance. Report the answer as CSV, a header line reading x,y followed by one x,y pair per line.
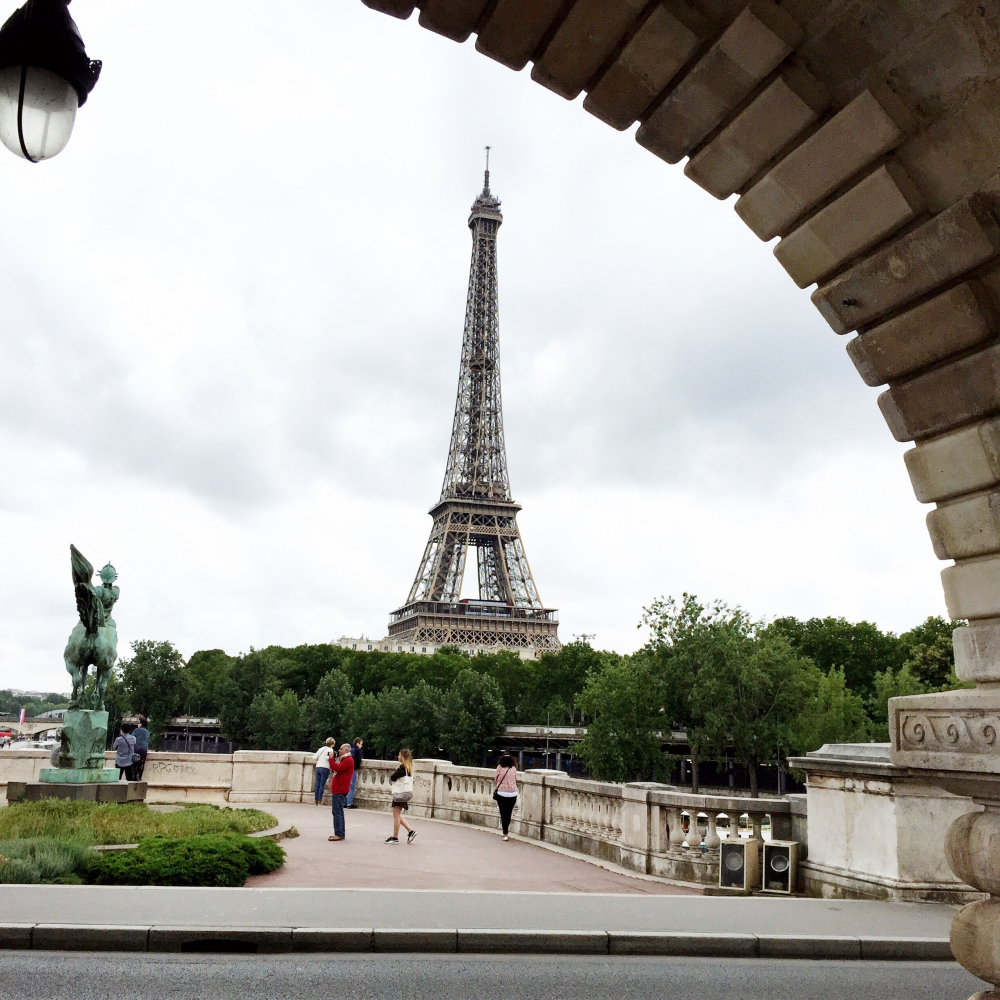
x,y
476,509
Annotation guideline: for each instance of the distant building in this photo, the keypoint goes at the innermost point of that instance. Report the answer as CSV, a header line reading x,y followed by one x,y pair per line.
x,y
391,645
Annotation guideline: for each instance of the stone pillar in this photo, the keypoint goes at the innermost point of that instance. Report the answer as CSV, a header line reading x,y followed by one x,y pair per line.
x,y
954,735
429,786
638,817
529,817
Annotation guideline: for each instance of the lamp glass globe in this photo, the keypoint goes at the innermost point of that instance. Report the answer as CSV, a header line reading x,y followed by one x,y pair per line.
x,y
47,116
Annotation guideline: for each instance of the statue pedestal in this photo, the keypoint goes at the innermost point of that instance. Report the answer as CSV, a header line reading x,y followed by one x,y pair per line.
x,y
93,791
83,740
77,775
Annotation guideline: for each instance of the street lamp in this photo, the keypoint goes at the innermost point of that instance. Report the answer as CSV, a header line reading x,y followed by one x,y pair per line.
x,y
45,75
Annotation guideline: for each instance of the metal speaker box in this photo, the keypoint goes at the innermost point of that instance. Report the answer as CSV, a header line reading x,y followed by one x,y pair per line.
x,y
781,862
739,864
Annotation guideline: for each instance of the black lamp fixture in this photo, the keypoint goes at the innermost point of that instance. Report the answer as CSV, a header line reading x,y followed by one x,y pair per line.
x,y
45,75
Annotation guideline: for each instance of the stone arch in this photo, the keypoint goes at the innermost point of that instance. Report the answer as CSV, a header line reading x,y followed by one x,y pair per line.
x,y
865,136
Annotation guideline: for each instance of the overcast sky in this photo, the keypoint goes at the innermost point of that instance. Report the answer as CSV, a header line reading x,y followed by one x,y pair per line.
x,y
232,317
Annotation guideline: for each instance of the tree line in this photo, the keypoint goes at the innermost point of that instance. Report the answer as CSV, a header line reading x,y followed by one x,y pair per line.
x,y
33,705
277,698
754,690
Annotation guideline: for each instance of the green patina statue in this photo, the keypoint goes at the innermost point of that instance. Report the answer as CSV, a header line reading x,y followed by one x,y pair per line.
x,y
94,641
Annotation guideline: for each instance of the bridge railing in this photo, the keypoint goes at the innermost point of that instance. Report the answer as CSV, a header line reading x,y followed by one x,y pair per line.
x,y
647,827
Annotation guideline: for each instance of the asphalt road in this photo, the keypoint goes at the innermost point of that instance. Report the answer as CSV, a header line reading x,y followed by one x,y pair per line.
x,y
89,976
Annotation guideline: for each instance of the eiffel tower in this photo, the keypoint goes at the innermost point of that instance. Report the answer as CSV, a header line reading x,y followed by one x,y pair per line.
x,y
475,509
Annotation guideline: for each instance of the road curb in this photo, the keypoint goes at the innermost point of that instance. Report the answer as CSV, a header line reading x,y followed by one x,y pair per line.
x,y
278,940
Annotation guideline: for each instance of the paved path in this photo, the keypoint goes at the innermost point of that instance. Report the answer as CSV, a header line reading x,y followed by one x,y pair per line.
x,y
426,977
443,856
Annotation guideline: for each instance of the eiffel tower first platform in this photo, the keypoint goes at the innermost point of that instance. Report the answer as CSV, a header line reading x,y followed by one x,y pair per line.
x,y
476,509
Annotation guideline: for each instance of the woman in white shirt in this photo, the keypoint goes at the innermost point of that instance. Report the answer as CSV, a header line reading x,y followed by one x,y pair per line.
x,y
322,758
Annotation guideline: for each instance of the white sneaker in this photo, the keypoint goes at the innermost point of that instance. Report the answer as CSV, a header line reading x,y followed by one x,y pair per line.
x,y
505,837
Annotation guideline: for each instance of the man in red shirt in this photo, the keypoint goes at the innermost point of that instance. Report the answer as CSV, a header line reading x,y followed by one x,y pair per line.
x,y
341,772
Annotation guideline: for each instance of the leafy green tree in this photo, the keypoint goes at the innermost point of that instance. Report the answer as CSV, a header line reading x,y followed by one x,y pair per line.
x,y
303,667
832,714
207,672
425,709
889,684
252,674
327,710
275,722
928,632
623,741
860,649
687,636
472,717
562,676
155,683
933,664
116,702
362,719
751,701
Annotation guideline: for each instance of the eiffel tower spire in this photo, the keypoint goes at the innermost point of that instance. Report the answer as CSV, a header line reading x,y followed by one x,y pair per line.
x,y
475,509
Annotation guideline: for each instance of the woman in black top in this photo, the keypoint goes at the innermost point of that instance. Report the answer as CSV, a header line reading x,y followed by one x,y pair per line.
x,y
402,791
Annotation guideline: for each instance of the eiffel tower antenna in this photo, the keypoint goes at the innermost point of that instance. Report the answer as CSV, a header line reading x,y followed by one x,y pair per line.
x,y
475,510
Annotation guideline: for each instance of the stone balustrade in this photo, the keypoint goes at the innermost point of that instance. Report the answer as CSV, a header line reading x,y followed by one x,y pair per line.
x,y
646,827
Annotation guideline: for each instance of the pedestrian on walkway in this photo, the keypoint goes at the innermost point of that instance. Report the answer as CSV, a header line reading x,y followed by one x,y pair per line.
x,y
322,759
141,736
401,781
358,755
340,783
124,748
505,790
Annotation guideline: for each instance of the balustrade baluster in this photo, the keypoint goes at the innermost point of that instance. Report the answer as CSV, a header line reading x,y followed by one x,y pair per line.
x,y
712,839
693,834
676,831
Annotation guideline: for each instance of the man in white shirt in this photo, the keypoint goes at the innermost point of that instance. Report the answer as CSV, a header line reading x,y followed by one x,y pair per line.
x,y
322,758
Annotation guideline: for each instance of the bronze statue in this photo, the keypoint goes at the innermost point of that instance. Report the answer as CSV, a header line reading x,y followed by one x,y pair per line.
x,y
94,641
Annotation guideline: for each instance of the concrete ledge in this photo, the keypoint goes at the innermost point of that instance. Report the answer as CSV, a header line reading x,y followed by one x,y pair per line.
x,y
276,833
73,937
907,949
668,943
15,935
260,940
807,946
523,942
279,940
415,939
332,939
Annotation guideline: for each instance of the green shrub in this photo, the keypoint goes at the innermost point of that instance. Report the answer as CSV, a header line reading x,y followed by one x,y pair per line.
x,y
208,860
41,860
263,855
92,823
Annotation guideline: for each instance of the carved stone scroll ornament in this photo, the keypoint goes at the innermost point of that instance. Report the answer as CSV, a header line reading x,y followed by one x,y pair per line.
x,y
949,731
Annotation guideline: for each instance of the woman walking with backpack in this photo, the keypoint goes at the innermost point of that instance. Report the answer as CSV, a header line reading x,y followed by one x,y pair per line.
x,y
505,790
402,792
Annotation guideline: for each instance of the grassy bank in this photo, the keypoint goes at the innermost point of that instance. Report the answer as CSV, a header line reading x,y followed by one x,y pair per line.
x,y
50,842
87,823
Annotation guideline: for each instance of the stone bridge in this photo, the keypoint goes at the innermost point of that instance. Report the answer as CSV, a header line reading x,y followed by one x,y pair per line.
x,y
31,727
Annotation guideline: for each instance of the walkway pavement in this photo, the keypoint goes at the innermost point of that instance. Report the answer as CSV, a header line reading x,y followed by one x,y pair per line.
x,y
458,888
443,856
